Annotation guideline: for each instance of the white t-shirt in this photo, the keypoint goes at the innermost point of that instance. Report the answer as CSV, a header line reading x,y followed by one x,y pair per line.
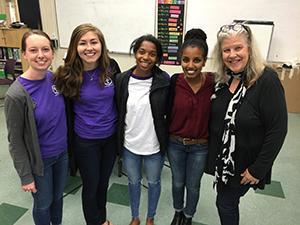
x,y
140,135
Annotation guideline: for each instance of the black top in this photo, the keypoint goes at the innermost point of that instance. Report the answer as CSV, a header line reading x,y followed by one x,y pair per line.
x,y
158,100
261,126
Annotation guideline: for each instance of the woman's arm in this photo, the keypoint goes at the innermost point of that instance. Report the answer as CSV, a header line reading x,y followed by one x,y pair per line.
x,y
14,113
273,114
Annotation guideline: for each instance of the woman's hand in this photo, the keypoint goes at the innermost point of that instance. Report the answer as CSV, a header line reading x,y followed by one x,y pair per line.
x,y
248,178
29,187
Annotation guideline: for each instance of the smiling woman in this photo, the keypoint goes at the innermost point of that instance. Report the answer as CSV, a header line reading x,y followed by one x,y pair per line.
x,y
141,94
86,80
189,109
235,48
39,55
38,138
89,50
248,120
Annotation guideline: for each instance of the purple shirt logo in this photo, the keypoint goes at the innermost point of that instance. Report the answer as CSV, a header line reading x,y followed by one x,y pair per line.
x,y
108,82
54,90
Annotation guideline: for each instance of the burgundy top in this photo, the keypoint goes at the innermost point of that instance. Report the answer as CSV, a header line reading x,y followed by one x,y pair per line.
x,y
190,111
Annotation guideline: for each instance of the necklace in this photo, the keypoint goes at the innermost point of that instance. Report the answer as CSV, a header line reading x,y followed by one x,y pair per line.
x,y
92,75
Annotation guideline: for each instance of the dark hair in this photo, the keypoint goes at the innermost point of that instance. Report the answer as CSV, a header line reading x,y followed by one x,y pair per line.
x,y
34,32
68,77
136,44
195,38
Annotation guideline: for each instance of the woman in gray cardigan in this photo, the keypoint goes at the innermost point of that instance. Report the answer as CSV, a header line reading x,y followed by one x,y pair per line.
x,y
37,131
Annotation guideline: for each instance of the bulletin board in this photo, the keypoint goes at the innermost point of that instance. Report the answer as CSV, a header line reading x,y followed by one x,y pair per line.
x,y
170,17
120,21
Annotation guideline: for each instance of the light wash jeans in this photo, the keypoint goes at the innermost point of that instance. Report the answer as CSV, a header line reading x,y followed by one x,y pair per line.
x,y
153,166
48,200
187,166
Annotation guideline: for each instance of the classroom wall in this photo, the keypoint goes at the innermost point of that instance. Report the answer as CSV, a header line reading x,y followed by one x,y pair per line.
x,y
285,42
49,21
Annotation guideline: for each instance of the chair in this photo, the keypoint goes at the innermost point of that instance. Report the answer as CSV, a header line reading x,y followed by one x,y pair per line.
x,y
9,72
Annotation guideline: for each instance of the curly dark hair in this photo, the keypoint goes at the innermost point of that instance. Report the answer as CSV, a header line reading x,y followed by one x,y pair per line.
x,y
136,44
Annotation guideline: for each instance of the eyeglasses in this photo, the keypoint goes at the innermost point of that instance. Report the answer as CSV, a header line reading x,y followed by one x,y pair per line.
x,y
235,27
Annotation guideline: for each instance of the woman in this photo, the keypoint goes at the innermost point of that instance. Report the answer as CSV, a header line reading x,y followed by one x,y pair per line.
x,y
190,94
86,80
141,94
37,130
248,120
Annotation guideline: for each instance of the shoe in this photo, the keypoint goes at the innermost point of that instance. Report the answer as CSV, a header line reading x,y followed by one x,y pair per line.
x,y
177,219
186,221
135,221
150,221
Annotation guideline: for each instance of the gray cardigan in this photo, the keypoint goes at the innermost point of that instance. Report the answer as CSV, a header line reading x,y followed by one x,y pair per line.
x,y
22,133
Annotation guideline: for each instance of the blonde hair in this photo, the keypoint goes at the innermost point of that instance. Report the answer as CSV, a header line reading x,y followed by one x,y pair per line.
x,y
255,64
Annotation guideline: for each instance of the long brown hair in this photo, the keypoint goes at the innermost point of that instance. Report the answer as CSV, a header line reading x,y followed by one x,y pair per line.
x,y
68,77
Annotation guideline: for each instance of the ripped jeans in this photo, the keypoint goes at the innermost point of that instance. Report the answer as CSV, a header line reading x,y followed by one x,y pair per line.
x,y
153,167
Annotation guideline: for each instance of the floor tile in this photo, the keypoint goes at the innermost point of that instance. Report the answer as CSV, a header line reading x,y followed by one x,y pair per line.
x,y
73,185
195,223
118,194
254,208
9,214
274,189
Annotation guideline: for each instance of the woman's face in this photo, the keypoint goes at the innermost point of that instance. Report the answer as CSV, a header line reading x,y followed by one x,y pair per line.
x,y
235,53
38,52
89,49
146,58
192,62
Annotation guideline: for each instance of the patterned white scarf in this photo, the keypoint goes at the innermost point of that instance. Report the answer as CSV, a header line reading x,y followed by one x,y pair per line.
x,y
225,166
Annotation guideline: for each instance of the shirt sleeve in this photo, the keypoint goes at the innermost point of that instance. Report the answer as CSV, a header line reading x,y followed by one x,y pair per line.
x,y
14,113
273,112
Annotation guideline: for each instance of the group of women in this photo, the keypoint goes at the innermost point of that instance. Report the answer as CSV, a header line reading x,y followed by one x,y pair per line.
x,y
230,124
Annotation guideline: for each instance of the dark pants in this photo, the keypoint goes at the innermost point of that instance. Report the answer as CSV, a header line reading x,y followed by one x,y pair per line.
x,y
228,199
95,159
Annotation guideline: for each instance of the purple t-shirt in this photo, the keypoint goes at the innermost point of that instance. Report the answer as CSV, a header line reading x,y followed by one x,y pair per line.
x,y
95,112
49,113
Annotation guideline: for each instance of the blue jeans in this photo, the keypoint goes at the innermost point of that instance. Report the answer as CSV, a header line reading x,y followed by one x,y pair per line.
x,y
133,166
48,200
228,199
95,159
187,165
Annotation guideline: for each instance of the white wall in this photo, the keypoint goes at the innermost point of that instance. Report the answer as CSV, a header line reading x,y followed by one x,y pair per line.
x,y
285,45
49,21
117,19
48,14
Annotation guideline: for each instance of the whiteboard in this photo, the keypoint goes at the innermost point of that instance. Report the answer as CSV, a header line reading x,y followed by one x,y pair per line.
x,y
262,32
210,15
120,21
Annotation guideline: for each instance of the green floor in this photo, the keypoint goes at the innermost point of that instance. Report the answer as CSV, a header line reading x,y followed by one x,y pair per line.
x,y
278,204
